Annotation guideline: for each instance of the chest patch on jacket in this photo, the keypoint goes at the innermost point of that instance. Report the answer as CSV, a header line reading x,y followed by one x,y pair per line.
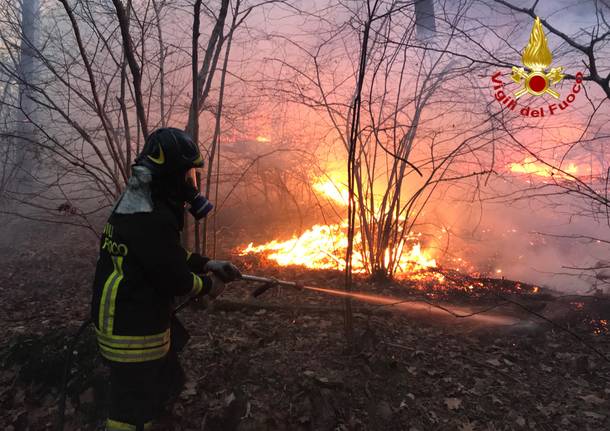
x,y
110,246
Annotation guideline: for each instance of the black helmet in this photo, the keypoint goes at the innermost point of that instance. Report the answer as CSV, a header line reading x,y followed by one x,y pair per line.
x,y
169,151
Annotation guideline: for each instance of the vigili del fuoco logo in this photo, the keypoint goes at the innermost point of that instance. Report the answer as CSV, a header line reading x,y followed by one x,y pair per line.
x,y
536,79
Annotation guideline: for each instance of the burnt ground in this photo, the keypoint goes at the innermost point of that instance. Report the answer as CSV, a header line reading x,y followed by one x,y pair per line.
x,y
287,367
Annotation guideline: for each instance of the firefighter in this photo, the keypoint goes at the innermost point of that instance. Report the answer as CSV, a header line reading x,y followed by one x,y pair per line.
x,y
140,269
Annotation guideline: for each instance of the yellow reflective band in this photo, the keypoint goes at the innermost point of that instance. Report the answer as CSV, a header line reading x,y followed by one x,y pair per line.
x,y
108,302
133,355
133,341
197,284
112,425
188,254
107,284
198,162
115,289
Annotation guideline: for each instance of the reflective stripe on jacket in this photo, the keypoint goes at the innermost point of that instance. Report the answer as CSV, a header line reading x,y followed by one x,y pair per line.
x,y
112,425
141,267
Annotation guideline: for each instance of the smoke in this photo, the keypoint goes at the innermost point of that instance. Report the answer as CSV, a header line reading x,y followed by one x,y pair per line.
x,y
526,240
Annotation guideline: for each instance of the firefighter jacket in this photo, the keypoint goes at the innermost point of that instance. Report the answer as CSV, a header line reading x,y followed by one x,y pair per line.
x,y
141,267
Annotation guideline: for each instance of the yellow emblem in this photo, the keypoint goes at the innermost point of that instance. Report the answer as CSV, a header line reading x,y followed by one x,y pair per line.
x,y
158,160
537,58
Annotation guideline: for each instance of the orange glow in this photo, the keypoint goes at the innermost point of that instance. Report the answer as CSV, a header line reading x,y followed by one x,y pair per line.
x,y
263,139
533,167
332,191
324,246
405,305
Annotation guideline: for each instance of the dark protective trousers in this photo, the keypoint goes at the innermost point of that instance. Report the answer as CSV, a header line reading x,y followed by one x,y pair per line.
x,y
140,391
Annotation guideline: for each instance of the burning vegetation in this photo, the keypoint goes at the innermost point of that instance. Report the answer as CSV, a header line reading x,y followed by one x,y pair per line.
x,y
531,166
323,246
397,304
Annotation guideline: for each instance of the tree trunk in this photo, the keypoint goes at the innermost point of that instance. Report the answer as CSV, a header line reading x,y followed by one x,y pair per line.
x,y
193,124
25,156
424,19
217,125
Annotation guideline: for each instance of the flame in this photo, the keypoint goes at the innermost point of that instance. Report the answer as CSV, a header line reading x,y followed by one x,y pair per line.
x,y
600,326
318,247
263,139
331,191
324,246
533,167
536,54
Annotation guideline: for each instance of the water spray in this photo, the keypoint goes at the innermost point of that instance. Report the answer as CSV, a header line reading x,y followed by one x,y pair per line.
x,y
381,301
272,282
269,283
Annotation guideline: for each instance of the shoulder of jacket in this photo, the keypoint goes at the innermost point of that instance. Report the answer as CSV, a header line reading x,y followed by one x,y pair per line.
x,y
160,216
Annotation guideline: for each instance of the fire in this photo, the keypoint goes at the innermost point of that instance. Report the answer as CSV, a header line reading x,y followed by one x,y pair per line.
x,y
319,247
533,167
332,191
262,139
600,326
324,246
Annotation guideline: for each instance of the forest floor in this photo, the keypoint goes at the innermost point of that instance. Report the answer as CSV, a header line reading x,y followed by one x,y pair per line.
x,y
286,366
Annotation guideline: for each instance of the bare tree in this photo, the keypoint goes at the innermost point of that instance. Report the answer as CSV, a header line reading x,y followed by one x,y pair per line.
x,y
19,154
559,162
107,74
393,126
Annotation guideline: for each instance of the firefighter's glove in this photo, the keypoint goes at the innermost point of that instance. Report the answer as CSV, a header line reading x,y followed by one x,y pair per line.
x,y
218,286
224,270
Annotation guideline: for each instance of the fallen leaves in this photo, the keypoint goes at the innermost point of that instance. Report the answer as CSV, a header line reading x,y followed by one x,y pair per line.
x,y
453,403
593,415
592,399
467,426
256,369
189,390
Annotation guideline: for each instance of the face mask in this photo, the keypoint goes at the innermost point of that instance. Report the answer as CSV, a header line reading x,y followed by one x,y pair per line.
x,y
199,205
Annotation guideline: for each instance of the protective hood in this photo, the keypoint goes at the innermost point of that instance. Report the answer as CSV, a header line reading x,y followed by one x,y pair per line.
x,y
137,197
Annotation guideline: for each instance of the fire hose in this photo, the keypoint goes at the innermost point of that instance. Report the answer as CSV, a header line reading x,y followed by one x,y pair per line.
x,y
268,284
